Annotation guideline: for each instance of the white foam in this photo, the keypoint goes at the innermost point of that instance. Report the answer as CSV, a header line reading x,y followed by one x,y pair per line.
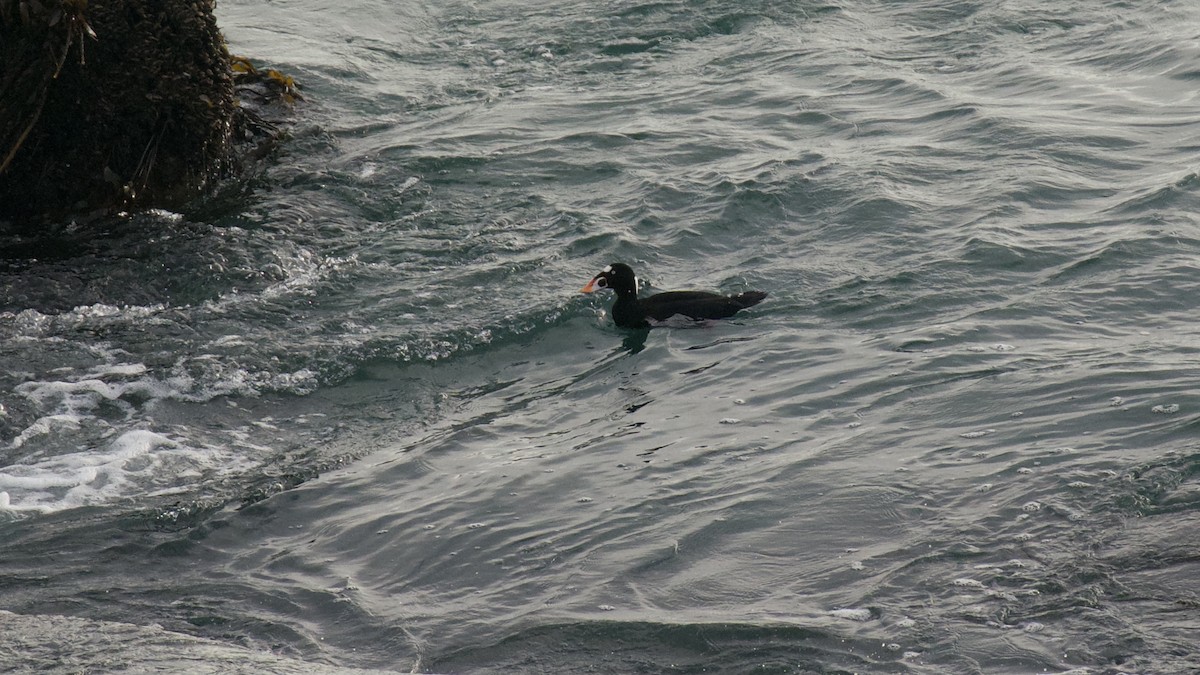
x,y
94,444
89,433
303,271
32,323
166,215
134,464
851,613
121,369
214,377
44,426
977,434
125,387
68,403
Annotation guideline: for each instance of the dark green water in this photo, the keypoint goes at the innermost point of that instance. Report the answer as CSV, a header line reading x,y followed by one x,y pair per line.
x,y
357,415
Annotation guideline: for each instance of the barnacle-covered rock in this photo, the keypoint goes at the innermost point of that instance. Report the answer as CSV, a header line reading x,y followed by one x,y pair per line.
x,y
112,104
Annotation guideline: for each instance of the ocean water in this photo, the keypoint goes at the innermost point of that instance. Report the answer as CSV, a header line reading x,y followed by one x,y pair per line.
x,y
354,414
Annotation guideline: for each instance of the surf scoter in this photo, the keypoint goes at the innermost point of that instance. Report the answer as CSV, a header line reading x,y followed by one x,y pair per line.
x,y
670,308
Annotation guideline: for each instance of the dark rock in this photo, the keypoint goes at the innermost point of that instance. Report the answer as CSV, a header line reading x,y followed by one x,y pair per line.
x,y
112,104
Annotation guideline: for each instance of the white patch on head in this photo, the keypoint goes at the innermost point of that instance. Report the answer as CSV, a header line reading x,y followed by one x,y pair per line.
x,y
606,270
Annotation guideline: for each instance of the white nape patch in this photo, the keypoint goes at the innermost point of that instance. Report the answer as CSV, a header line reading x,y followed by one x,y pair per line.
x,y
636,287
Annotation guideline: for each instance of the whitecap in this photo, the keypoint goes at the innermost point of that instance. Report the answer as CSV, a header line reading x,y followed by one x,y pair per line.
x,y
977,434
44,426
137,463
851,613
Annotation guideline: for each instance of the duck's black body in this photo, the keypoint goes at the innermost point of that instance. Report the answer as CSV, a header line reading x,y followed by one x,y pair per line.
x,y
665,308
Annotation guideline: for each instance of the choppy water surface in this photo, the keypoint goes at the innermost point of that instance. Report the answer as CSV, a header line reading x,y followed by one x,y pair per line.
x,y
356,414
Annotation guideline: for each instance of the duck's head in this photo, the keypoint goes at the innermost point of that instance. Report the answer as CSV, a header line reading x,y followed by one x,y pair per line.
x,y
617,277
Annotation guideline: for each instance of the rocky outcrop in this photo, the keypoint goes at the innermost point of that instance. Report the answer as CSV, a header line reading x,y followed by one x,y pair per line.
x,y
111,104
